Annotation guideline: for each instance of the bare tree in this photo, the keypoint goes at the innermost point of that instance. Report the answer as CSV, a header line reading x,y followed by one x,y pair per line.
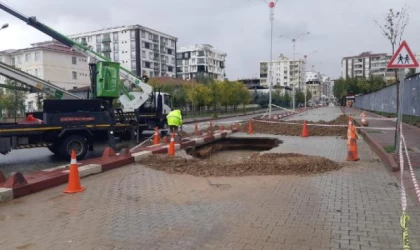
x,y
393,29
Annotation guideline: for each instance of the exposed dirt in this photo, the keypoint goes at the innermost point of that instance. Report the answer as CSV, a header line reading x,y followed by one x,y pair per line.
x,y
253,165
296,130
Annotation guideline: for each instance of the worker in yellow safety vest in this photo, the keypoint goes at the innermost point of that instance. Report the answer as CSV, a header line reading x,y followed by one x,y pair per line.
x,y
174,119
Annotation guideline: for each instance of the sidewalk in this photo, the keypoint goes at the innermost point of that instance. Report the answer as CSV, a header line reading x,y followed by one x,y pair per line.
x,y
386,138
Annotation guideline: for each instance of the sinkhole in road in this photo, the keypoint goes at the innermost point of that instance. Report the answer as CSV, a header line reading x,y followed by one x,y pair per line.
x,y
234,150
240,156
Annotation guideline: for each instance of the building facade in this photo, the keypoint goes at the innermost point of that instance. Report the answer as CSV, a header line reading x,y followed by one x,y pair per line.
x,y
286,73
366,65
50,61
142,50
200,59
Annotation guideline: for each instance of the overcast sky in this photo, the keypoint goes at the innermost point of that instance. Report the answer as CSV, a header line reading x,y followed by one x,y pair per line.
x,y
241,28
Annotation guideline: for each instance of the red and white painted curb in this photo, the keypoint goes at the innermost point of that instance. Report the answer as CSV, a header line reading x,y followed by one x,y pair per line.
x,y
18,185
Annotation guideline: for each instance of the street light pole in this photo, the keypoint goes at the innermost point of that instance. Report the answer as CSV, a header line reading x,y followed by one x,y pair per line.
x,y
271,5
294,61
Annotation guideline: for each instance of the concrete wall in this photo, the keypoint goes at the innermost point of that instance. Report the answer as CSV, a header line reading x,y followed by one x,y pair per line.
x,y
385,100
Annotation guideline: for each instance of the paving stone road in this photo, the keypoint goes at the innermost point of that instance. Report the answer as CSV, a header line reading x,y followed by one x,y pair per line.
x,y
357,207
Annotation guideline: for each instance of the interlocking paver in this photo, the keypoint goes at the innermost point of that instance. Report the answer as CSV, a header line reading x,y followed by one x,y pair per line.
x,y
357,207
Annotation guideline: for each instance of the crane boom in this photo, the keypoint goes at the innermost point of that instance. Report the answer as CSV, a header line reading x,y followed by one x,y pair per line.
x,y
35,82
130,100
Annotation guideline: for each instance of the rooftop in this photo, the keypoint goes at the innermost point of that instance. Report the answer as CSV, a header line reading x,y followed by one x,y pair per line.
x,y
199,47
120,28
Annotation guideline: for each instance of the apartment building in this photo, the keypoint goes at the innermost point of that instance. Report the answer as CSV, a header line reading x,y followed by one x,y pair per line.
x,y
367,64
142,50
286,72
200,59
51,61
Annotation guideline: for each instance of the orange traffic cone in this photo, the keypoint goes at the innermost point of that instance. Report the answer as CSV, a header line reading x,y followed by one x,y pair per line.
x,y
156,138
364,120
73,185
305,132
349,131
171,149
250,128
353,155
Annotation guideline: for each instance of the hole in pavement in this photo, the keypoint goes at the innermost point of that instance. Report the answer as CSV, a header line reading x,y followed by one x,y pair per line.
x,y
239,157
233,149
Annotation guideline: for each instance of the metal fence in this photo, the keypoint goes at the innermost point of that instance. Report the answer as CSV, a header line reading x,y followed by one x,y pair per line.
x,y
385,100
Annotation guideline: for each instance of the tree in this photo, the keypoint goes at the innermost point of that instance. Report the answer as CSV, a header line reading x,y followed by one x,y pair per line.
x,y
299,97
308,95
14,101
287,99
410,73
393,30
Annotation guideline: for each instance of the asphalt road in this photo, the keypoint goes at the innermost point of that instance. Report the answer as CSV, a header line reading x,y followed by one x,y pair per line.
x,y
31,160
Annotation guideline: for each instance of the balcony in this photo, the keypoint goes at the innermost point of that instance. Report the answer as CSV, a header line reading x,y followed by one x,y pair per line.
x,y
156,49
163,43
106,39
155,40
106,49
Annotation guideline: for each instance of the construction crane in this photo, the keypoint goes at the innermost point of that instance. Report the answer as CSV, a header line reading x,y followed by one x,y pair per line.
x,y
34,83
130,100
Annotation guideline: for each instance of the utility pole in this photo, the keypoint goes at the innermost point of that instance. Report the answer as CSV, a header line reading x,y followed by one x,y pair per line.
x,y
271,5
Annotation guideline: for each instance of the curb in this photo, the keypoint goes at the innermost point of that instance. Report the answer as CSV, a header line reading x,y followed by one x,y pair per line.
x,y
224,117
385,157
18,185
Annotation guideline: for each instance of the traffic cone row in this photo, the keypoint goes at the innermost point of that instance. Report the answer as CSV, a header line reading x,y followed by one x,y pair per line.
x,y
353,154
73,185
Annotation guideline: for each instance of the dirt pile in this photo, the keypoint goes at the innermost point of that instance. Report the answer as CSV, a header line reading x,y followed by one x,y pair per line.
x,y
280,128
255,164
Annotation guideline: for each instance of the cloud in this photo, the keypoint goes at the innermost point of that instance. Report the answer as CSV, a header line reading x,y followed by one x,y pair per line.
x,y
241,28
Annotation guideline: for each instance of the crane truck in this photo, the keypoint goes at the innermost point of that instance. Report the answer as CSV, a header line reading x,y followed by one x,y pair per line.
x,y
68,122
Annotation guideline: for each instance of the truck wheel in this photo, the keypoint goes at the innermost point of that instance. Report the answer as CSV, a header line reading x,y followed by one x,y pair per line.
x,y
76,142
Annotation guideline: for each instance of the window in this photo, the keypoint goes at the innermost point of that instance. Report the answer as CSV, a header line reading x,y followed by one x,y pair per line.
x,y
98,48
150,36
193,61
200,53
116,56
173,61
194,53
74,60
27,57
147,65
133,54
170,68
186,69
185,55
98,38
133,64
172,43
89,39
143,34
170,51
74,73
201,60
132,34
151,55
133,45
37,56
179,62
143,54
19,59
115,36
179,56
166,59
115,48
